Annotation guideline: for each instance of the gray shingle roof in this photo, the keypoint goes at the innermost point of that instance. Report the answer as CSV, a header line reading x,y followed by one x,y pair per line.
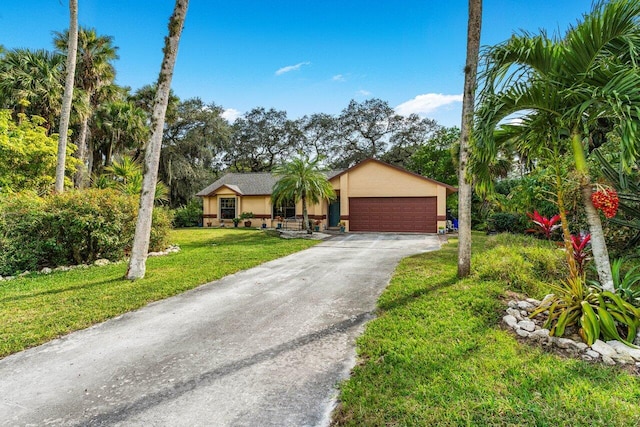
x,y
249,184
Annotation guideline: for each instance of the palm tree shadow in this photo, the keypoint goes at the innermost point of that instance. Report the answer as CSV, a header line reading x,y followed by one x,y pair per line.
x,y
404,299
84,286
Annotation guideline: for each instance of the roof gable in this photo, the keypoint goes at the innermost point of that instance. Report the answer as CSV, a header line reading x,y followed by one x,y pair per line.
x,y
248,183
450,189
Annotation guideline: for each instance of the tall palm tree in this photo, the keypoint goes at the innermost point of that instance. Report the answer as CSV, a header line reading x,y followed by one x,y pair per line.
x,y
464,185
589,74
68,94
301,180
120,126
137,263
31,83
94,71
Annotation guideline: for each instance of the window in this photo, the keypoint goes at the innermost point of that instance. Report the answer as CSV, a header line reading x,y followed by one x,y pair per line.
x,y
287,210
228,208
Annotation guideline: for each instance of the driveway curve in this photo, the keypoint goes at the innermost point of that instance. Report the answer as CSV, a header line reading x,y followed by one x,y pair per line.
x,y
263,347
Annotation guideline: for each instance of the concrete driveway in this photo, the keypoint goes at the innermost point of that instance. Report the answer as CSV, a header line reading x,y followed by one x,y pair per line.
x,y
263,347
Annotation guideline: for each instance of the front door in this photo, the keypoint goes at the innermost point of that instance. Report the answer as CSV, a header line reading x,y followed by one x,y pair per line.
x,y
334,213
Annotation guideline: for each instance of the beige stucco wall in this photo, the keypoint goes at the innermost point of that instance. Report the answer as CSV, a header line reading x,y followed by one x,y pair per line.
x,y
372,179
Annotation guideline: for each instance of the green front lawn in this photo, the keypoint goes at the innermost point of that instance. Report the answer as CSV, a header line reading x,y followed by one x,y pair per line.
x,y
436,355
39,308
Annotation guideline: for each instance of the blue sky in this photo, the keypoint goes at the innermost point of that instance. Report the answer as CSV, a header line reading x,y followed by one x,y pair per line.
x,y
300,56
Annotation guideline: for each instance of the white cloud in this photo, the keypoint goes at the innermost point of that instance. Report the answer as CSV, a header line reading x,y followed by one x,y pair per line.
x,y
289,68
363,92
338,78
231,114
426,103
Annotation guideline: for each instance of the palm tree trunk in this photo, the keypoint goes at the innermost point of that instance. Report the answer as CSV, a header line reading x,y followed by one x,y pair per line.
x,y
82,174
139,251
67,98
598,244
464,186
305,215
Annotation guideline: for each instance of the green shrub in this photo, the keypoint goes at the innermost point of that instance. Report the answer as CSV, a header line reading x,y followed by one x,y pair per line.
x,y
71,228
189,215
506,222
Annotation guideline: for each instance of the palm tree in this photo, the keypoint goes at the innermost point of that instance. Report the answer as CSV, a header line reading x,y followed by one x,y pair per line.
x,y
94,71
68,94
121,126
31,83
587,75
464,185
301,180
137,263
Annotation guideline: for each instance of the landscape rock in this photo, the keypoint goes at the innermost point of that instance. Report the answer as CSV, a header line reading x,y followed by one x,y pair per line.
x,y
511,321
580,346
24,273
604,349
623,358
622,348
540,334
527,325
512,304
523,333
9,277
101,262
46,270
525,305
593,354
608,360
515,313
564,343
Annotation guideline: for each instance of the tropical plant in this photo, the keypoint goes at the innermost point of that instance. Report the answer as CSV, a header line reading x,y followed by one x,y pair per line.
x,y
121,127
580,254
125,175
586,76
545,225
596,313
626,283
301,180
31,83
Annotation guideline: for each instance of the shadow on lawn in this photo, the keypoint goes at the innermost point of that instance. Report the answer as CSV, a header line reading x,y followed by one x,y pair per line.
x,y
84,286
404,299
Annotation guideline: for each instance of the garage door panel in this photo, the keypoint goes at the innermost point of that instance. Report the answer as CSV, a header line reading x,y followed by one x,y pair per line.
x,y
403,214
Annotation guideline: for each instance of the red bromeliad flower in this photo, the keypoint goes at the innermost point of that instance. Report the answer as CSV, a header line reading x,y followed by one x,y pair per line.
x,y
547,225
607,201
580,254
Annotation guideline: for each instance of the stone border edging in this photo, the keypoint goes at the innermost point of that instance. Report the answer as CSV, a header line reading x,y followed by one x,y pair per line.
x,y
98,263
610,352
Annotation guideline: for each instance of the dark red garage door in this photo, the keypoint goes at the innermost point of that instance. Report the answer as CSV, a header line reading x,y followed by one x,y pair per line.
x,y
406,214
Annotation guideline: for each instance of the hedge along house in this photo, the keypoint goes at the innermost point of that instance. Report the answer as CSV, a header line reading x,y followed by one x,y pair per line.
x,y
371,196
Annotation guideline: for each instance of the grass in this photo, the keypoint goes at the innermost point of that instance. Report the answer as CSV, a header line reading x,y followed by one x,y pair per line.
x,y
436,355
39,308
